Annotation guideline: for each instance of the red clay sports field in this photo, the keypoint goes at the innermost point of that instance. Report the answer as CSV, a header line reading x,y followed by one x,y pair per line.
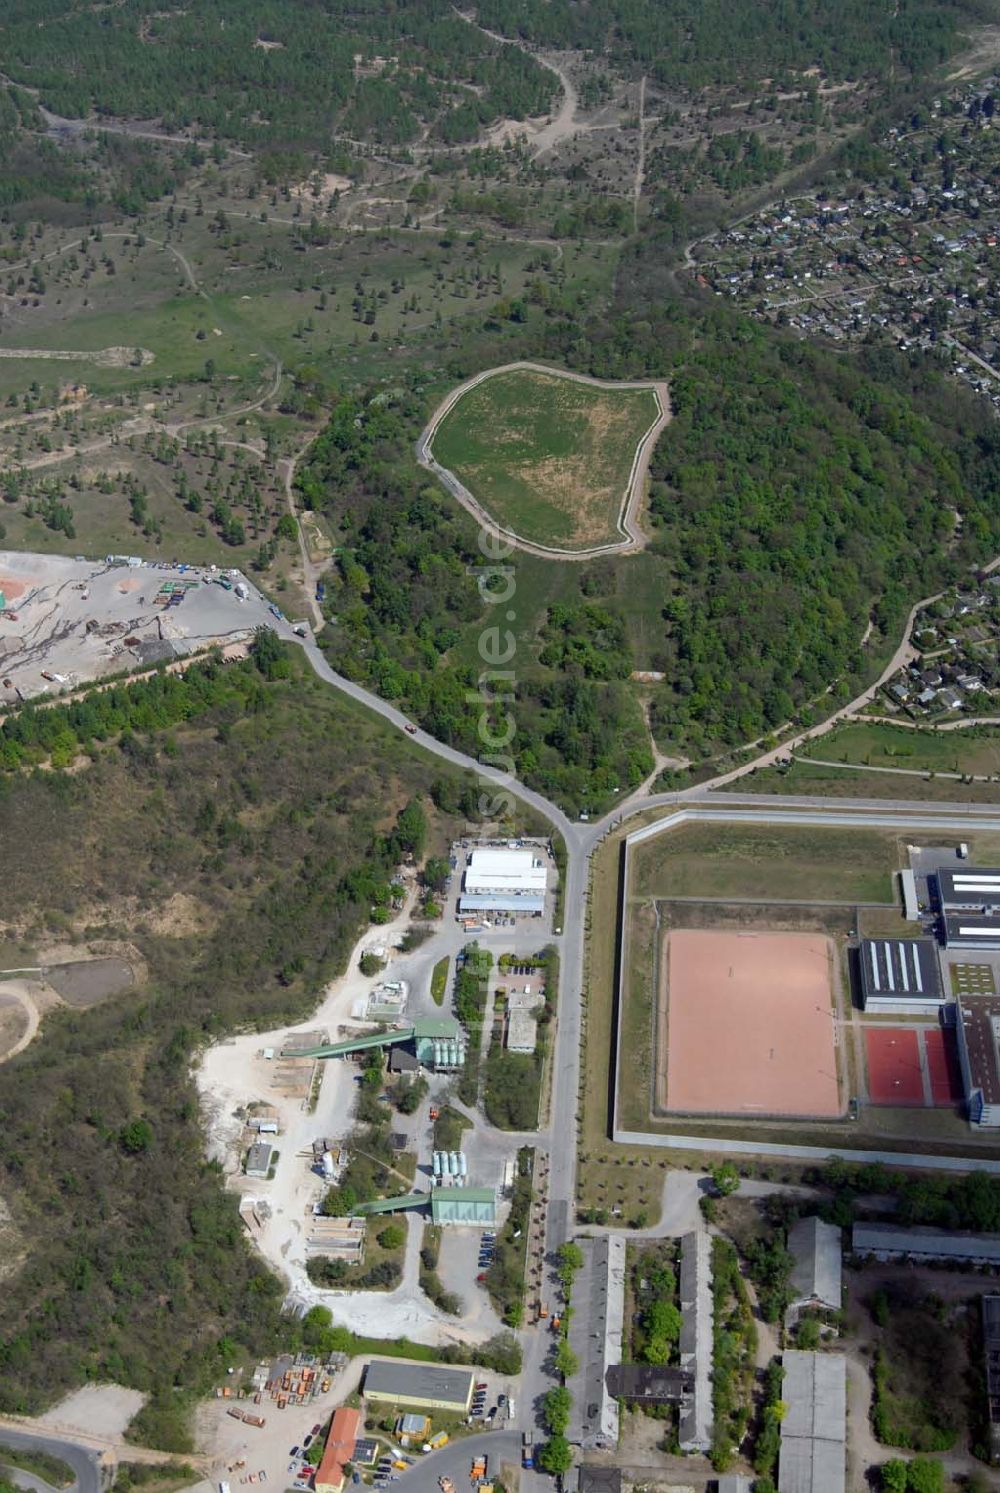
x,y
912,1065
745,1024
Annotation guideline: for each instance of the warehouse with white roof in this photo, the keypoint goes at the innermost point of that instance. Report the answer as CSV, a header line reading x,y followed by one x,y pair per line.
x,y
507,879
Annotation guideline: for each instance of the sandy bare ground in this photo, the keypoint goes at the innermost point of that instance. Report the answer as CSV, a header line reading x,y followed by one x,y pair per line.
x,y
103,1410
104,357
278,1213
633,539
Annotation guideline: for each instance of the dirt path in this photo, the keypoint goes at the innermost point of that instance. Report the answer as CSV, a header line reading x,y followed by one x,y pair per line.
x,y
562,125
633,539
310,571
19,991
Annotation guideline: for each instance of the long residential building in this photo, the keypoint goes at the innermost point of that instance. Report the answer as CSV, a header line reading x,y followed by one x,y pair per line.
x,y
890,1241
595,1335
697,1315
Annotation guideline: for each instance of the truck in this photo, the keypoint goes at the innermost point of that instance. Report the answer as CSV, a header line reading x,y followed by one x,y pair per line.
x,y
436,1442
527,1451
477,1471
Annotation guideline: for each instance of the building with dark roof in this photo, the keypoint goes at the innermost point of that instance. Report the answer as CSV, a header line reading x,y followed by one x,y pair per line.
x,y
978,1032
971,931
600,1480
969,889
649,1384
899,975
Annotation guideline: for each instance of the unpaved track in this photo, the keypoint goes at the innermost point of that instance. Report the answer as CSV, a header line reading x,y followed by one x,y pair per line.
x,y
19,991
633,539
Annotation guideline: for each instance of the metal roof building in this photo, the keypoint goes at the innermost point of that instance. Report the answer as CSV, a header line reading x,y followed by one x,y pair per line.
x,y
889,1241
505,870
813,1455
899,974
969,889
258,1159
697,1316
595,1335
816,1274
978,1032
469,1205
425,1384
501,902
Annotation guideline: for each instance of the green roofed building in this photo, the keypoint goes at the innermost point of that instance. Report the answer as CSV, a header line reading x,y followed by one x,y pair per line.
x,y
468,1205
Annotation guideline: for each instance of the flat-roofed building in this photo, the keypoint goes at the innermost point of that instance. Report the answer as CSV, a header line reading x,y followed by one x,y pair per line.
x,y
969,889
813,1453
529,904
978,1032
522,1032
899,975
969,931
426,1385
519,872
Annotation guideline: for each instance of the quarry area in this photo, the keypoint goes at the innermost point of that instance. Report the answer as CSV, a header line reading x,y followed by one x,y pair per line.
x,y
66,622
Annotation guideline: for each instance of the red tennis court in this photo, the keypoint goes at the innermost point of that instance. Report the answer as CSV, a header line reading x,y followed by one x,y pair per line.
x,y
894,1075
942,1066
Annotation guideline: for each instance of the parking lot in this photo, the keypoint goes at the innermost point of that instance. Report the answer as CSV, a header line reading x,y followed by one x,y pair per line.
x,y
65,622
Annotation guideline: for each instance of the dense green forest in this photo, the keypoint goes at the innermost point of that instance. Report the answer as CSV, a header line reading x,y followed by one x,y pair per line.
x,y
796,496
277,816
695,43
272,77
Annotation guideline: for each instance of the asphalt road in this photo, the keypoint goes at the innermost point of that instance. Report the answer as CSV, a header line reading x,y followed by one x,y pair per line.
x,y
455,1460
83,1462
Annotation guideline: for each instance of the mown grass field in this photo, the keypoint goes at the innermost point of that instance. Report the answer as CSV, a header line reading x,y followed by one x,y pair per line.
x,y
769,863
547,457
975,750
